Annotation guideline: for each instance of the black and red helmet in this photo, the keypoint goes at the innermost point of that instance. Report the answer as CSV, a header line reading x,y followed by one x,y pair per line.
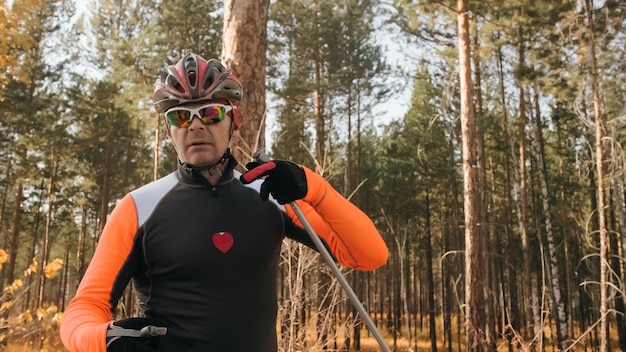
x,y
195,79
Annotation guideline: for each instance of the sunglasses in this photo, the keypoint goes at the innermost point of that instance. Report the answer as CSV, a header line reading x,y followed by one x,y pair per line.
x,y
208,114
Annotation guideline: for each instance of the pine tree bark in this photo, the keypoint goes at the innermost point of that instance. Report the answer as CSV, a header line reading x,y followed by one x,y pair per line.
x,y
244,50
599,129
474,252
484,202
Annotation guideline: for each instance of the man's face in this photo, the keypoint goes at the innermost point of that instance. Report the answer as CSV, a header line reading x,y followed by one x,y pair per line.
x,y
199,144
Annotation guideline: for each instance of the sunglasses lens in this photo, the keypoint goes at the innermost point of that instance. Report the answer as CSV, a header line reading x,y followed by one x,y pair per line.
x,y
212,114
178,118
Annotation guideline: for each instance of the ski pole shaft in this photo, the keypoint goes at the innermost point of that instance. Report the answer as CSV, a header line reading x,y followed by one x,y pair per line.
x,y
342,280
262,158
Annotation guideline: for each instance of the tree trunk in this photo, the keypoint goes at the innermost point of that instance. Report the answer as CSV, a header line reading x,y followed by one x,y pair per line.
x,y
555,268
432,312
82,247
518,310
514,317
63,286
474,251
3,239
599,124
45,255
401,249
349,176
359,288
15,233
530,286
484,201
244,50
35,243
157,148
620,214
103,210
457,237
320,125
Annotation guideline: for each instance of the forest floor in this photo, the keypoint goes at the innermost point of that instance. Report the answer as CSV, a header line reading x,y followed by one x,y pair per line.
x,y
367,345
51,342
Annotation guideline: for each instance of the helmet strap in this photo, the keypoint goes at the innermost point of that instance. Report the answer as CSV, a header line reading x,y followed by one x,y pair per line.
x,y
210,170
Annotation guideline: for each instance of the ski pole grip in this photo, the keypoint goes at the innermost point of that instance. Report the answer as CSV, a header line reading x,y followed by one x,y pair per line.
x,y
260,156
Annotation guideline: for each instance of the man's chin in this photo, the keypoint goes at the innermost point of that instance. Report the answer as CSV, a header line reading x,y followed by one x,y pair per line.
x,y
201,158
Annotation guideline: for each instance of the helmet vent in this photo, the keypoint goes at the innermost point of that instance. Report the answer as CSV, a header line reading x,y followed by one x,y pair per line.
x,y
171,81
193,78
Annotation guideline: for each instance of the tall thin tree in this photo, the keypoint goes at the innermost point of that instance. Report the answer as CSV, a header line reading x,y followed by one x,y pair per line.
x,y
244,49
599,129
474,253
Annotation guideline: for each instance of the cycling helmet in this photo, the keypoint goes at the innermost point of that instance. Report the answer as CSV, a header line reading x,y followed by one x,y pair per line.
x,y
195,79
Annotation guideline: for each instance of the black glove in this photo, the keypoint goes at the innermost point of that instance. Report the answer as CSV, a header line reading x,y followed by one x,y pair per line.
x,y
285,180
134,335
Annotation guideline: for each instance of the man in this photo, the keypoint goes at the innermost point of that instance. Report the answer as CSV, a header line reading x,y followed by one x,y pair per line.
x,y
202,245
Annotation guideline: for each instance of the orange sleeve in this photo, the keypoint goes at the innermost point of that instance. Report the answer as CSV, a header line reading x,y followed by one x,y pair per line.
x,y
350,234
89,313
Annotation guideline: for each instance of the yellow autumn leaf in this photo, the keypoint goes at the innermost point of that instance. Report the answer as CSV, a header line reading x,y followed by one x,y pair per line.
x,y
41,313
4,257
57,318
27,316
53,267
32,268
5,306
15,285
52,309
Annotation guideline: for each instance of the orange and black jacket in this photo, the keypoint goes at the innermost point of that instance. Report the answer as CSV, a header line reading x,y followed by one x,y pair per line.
x,y
204,259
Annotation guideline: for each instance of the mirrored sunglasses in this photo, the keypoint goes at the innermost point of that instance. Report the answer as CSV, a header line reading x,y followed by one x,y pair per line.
x,y
209,114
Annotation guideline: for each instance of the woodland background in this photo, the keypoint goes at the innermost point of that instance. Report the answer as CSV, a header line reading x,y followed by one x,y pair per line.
x,y
499,191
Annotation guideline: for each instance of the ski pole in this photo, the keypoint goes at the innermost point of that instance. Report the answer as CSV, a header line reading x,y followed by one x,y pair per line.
x,y
261,157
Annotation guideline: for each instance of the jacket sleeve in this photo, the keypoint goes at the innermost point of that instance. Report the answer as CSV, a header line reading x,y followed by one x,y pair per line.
x,y
349,233
89,313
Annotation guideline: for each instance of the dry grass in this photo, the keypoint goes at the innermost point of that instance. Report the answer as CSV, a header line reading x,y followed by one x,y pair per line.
x,y
47,340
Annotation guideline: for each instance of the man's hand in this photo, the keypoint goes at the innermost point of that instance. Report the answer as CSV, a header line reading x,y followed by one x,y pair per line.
x,y
285,180
135,335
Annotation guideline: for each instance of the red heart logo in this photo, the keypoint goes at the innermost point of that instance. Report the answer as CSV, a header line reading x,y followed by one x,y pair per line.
x,y
223,241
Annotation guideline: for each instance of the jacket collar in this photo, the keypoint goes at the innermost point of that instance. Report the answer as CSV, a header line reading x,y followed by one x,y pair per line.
x,y
190,175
